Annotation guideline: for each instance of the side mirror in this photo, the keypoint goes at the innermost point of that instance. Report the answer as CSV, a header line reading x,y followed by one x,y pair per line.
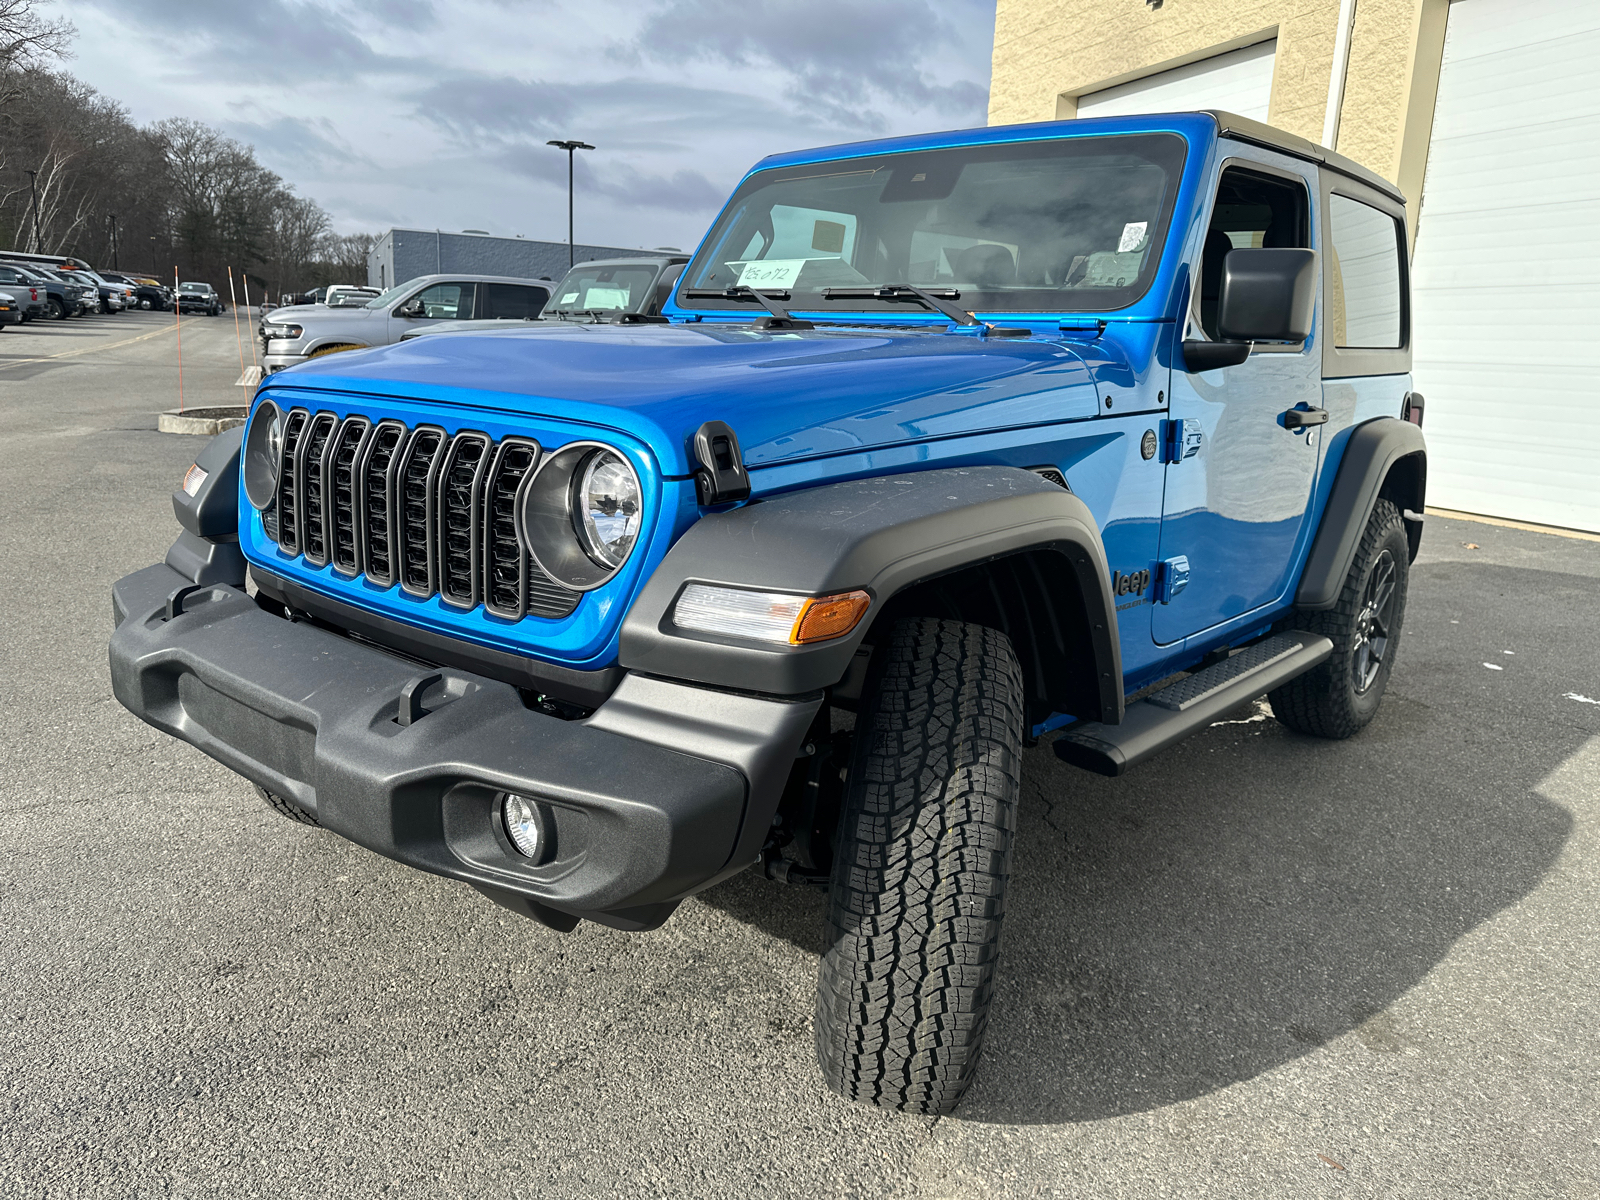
x,y
1267,295
411,308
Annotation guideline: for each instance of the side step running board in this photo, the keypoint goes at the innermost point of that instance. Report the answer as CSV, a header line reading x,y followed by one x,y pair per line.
x,y
1172,714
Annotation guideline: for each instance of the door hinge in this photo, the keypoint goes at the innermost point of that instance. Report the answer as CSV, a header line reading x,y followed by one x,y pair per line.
x,y
1172,576
1180,439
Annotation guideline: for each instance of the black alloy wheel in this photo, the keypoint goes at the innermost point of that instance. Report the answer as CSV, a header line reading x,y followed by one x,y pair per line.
x,y
1373,623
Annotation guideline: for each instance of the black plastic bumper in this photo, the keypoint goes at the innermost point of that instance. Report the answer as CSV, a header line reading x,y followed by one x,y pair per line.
x,y
665,788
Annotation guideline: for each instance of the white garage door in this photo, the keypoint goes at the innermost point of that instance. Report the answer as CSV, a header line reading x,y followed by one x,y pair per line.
x,y
1507,269
1237,82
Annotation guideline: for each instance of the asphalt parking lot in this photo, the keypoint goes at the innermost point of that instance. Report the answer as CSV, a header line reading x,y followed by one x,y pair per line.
x,y
1262,965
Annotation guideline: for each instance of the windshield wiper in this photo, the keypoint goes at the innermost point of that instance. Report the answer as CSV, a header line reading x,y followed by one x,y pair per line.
x,y
778,316
937,301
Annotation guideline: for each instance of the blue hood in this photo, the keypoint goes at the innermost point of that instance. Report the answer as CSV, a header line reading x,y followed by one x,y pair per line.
x,y
789,396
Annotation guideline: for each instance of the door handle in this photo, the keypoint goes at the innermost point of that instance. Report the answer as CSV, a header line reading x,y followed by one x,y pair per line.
x,y
1298,418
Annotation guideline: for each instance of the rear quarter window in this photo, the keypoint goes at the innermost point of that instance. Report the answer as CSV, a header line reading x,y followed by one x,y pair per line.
x,y
1365,312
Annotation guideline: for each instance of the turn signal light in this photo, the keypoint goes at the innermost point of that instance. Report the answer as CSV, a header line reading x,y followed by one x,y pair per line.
x,y
775,617
193,478
830,617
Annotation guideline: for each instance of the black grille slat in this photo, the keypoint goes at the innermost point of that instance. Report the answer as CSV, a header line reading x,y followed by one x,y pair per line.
x,y
375,477
342,471
460,519
312,462
432,512
416,497
289,534
505,580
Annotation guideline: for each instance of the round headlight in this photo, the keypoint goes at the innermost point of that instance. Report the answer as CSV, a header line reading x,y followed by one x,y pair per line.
x,y
580,514
605,508
263,455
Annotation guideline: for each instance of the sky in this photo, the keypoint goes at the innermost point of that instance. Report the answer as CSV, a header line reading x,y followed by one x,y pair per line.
x,y
435,115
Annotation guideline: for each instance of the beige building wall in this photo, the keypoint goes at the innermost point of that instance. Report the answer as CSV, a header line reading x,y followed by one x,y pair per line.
x,y
1047,53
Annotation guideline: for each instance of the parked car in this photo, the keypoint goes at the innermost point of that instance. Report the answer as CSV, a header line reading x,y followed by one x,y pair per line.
x,y
629,290
60,301
198,297
348,295
83,297
113,297
297,333
1097,429
146,293
10,310
31,297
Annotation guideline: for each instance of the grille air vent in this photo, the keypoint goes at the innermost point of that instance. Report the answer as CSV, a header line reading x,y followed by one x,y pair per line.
x,y
344,543
461,519
416,497
311,461
288,483
376,477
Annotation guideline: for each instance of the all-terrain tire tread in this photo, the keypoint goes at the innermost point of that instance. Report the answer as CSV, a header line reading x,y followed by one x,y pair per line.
x,y
917,900
285,807
1322,702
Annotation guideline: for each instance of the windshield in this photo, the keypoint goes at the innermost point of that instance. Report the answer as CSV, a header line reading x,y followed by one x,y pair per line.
x,y
393,294
194,287
1069,224
588,288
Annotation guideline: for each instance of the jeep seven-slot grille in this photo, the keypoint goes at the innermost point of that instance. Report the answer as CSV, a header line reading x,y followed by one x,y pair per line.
x,y
418,507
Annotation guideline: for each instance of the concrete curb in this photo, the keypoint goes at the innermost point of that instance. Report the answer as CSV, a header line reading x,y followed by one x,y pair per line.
x,y
205,421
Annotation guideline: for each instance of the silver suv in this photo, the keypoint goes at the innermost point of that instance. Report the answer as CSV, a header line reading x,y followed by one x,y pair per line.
x,y
304,331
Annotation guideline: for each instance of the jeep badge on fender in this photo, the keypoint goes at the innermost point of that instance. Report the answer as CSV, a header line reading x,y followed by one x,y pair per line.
x,y
591,617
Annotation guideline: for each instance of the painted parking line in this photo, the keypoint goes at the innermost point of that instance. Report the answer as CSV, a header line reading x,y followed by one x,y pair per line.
x,y
143,337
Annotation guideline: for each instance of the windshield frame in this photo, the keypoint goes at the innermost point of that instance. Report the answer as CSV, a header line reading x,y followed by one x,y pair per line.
x,y
393,295
1177,156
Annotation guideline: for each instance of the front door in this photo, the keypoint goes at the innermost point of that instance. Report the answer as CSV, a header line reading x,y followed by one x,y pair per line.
x,y
1236,496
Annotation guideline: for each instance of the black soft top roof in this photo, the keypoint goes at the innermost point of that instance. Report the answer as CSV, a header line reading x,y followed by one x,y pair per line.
x,y
1245,130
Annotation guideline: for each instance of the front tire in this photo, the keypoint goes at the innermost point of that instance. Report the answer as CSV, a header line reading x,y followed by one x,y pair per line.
x,y
920,869
1338,698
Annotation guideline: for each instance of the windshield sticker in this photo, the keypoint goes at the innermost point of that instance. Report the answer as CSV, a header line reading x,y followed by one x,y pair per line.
x,y
568,297
606,297
1132,236
1107,270
828,236
771,273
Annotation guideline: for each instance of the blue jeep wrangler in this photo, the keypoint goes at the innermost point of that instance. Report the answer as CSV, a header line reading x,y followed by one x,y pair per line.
x,y
1095,429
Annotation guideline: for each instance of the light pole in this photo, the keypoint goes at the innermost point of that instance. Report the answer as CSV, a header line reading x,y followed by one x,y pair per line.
x,y
38,237
569,146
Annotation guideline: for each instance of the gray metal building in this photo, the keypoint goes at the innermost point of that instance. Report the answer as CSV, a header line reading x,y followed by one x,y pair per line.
x,y
403,254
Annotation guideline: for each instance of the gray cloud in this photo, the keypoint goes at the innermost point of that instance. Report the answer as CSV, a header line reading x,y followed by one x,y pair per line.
x,y
840,58
275,41
296,142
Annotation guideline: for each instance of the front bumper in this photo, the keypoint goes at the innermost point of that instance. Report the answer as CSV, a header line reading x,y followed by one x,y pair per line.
x,y
665,789
276,359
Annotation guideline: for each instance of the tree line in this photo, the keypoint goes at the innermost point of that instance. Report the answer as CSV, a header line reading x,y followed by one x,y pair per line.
x,y
78,177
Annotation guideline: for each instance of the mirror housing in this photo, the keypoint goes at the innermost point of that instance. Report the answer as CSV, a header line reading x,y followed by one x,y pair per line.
x,y
411,308
1267,295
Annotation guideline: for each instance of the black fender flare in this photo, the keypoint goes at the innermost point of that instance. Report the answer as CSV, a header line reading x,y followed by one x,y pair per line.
x,y
1370,457
882,535
207,550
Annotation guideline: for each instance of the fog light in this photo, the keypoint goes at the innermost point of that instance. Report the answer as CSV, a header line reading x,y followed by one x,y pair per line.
x,y
526,825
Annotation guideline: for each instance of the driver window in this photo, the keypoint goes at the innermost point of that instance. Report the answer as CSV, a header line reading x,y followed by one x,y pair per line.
x,y
1253,210
448,301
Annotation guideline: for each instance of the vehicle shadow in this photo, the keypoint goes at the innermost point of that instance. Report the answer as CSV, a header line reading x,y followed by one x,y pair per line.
x,y
1232,906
